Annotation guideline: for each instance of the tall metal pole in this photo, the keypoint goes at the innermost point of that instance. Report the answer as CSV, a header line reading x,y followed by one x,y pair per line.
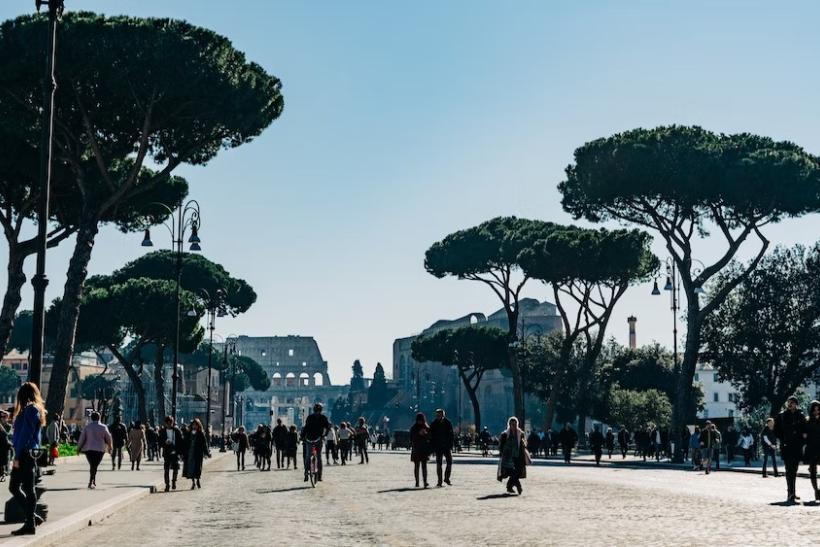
x,y
39,282
212,320
175,376
675,315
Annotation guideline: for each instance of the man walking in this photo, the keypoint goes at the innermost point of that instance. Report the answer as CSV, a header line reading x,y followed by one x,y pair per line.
x,y
623,441
442,438
119,435
596,442
731,439
568,438
170,439
790,428
280,440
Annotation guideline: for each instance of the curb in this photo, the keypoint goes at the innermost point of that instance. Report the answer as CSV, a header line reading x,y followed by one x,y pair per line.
x,y
51,533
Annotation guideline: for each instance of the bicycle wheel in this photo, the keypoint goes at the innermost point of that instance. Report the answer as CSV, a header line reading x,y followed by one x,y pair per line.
x,y
312,475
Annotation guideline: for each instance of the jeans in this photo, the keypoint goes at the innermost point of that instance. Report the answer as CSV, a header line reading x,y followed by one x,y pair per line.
x,y
240,460
94,458
21,486
423,465
747,456
330,451
768,452
280,456
363,453
171,463
791,462
514,480
567,453
344,448
448,457
116,457
306,447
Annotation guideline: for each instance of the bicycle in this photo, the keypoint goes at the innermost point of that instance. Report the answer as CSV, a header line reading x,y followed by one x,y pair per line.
x,y
312,466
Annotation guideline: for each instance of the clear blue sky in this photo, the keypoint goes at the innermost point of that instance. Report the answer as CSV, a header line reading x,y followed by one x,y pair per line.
x,y
406,121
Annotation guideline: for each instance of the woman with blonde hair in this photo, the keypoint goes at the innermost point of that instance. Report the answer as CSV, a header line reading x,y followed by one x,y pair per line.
x,y
137,444
513,458
29,419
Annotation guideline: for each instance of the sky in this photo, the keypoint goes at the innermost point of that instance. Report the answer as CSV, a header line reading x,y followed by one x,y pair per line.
x,y
404,122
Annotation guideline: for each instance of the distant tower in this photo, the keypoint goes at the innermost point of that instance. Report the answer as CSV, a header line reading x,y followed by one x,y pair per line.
x,y
633,338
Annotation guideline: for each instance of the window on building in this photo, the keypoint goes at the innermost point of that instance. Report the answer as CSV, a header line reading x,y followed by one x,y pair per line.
x,y
731,413
264,353
716,397
714,377
304,363
697,377
290,353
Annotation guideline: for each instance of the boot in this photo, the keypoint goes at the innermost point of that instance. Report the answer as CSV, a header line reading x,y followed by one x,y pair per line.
x,y
28,529
198,484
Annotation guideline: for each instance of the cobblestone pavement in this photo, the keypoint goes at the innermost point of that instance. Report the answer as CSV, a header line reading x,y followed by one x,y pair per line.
x,y
376,504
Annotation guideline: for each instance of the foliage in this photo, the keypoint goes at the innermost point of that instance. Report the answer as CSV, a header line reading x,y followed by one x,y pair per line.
x,y
682,181
765,337
256,376
65,450
357,382
9,381
637,409
377,393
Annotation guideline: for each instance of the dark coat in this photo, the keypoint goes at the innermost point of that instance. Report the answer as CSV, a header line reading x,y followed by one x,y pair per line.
x,y
171,451
242,441
420,446
520,463
789,427
280,436
568,438
596,440
812,441
119,434
623,437
610,440
196,450
441,435
291,443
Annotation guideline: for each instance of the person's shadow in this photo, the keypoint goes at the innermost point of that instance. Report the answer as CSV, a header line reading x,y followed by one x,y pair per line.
x,y
403,489
294,489
496,496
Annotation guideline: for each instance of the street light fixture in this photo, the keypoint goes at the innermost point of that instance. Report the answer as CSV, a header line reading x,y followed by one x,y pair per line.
x,y
215,304
187,217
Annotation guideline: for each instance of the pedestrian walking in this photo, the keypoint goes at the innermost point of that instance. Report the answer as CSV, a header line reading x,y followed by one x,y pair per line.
x,y
534,442
596,442
745,442
119,436
610,442
29,419
172,443
197,447
420,447
152,437
442,438
95,441
769,440
732,440
279,436
362,437
513,457
694,447
5,444
813,445
708,441
53,436
790,427
330,445
292,443
568,439
241,444
344,434
137,444
623,441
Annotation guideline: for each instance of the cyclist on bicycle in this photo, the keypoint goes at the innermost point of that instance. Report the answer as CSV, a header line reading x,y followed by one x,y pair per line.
x,y
316,427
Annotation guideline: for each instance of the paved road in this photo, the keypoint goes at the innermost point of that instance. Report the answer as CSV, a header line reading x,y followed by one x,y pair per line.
x,y
375,504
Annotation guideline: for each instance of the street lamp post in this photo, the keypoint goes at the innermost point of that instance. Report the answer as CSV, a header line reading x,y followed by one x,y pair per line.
x,y
187,216
216,306
230,341
39,282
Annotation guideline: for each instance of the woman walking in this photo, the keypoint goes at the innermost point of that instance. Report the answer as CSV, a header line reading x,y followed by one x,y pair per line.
x,y
241,444
29,418
813,444
344,441
512,463
197,450
292,443
420,447
95,441
768,439
137,444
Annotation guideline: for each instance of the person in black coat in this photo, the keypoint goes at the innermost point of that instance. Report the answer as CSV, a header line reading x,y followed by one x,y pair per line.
x,y
813,445
241,445
172,445
623,441
442,438
420,447
596,442
610,442
280,439
568,439
196,450
119,436
790,428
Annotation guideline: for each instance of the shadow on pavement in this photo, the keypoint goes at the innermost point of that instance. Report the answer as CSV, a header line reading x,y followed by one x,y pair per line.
x,y
496,496
294,489
786,503
402,489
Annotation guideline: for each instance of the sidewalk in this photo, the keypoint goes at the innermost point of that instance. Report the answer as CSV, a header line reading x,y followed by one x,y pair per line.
x,y
71,506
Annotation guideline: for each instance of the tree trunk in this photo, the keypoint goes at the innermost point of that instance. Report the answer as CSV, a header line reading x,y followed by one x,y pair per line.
x,y
70,312
159,381
13,296
136,382
472,393
682,410
518,386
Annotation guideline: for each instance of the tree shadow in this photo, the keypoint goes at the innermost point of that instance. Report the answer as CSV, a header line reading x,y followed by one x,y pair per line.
x,y
496,496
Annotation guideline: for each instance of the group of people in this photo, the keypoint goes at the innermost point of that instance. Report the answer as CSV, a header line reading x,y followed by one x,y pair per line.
x,y
337,441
